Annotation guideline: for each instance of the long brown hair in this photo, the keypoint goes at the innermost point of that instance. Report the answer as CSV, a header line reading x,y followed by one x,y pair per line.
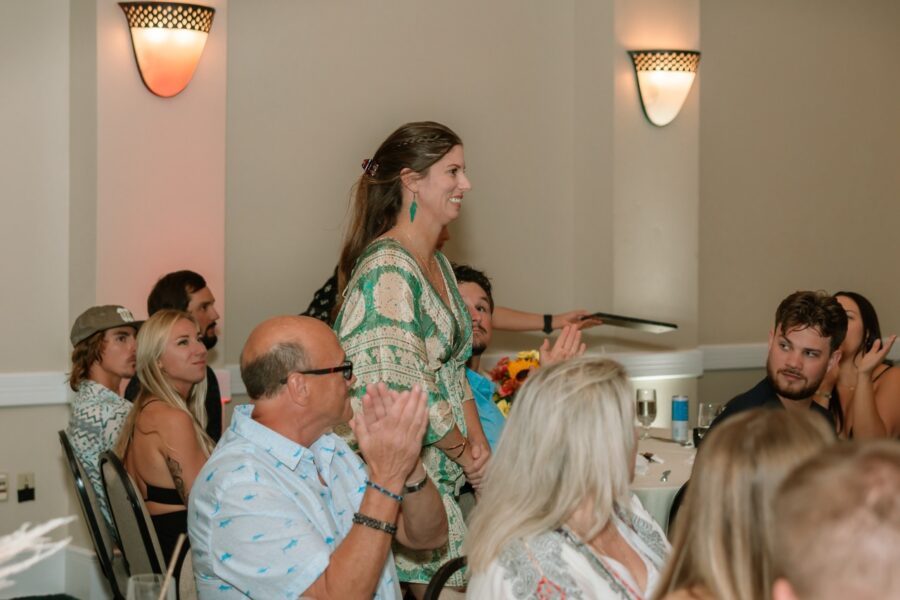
x,y
722,538
378,196
84,354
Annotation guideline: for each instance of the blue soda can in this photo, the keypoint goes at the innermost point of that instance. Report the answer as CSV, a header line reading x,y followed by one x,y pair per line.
x,y
680,419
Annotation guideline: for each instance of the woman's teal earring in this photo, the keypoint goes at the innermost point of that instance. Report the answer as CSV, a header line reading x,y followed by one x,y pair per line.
x,y
412,209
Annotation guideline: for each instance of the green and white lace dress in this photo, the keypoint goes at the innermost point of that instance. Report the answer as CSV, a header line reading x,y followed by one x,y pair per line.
x,y
395,328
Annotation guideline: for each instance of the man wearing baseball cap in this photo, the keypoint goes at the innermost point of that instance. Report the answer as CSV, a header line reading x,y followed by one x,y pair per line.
x,y
104,352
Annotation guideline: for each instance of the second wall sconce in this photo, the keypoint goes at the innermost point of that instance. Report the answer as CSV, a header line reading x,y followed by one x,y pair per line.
x,y
168,40
664,78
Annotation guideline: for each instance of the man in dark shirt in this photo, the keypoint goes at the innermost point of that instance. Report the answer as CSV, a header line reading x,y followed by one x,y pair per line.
x,y
187,291
809,329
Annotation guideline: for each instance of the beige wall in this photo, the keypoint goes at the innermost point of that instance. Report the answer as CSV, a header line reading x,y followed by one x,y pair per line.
x,y
317,94
34,242
104,187
160,168
34,171
556,146
799,145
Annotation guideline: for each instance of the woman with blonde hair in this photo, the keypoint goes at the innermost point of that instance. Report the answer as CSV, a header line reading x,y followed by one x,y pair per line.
x,y
722,536
557,518
163,443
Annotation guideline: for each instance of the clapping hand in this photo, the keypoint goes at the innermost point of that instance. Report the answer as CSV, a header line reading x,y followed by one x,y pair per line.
x,y
566,346
389,429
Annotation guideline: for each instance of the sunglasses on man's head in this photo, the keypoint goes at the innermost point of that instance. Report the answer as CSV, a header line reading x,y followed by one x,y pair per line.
x,y
345,368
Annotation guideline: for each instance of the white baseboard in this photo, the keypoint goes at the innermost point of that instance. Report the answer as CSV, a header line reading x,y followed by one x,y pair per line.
x,y
36,389
33,389
73,571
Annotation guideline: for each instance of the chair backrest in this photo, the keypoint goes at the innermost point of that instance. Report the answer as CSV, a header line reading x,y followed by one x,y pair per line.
x,y
96,524
433,591
187,586
676,504
136,532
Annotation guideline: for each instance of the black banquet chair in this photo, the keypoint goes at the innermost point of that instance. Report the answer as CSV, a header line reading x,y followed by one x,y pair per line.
x,y
136,532
676,505
433,591
111,563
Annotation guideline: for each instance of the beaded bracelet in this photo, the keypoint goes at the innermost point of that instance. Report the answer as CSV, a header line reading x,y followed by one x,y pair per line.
x,y
385,491
361,519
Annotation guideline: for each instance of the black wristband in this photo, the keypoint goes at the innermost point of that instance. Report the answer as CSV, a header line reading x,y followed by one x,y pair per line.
x,y
411,489
548,324
361,519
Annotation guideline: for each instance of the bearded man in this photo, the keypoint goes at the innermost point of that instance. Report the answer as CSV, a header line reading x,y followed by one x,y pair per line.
x,y
809,329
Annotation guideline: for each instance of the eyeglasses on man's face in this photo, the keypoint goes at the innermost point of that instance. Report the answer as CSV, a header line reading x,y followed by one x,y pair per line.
x,y
345,369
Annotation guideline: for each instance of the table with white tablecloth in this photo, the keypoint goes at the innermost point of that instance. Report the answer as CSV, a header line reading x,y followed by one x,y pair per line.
x,y
657,495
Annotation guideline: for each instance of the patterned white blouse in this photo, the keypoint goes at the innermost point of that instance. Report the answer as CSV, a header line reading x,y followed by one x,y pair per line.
x,y
557,565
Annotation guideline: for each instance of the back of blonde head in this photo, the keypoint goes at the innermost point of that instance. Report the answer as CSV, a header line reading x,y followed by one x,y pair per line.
x,y
723,532
569,439
151,343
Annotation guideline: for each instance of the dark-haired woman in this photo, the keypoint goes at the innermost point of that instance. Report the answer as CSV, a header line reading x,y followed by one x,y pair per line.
x,y
867,385
403,321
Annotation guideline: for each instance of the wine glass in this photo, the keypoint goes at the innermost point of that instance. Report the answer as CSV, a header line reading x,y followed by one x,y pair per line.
x,y
148,586
646,410
706,414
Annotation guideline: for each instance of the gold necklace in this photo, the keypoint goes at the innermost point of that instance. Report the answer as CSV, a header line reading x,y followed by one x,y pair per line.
x,y
427,266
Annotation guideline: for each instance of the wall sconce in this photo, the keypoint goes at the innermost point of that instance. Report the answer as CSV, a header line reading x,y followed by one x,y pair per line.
x,y
664,78
168,39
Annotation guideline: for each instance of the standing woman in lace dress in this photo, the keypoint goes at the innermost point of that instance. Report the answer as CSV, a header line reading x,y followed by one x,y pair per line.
x,y
401,319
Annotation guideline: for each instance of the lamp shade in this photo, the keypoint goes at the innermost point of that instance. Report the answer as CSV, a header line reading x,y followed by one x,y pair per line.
x,y
664,78
168,40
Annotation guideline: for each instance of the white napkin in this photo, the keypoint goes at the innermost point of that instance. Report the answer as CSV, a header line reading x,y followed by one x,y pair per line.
x,y
641,465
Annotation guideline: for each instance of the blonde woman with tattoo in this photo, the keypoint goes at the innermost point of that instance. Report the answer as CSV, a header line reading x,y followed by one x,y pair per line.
x,y
163,442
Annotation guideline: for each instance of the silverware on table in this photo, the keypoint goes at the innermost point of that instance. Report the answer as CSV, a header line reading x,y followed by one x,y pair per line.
x,y
665,475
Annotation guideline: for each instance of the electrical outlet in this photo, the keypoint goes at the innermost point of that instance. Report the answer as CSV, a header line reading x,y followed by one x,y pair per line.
x,y
25,487
4,487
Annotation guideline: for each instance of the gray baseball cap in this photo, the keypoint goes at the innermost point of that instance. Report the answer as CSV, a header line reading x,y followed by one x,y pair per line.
x,y
101,318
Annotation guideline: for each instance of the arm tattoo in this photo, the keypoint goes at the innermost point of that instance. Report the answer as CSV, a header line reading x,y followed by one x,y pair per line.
x,y
175,471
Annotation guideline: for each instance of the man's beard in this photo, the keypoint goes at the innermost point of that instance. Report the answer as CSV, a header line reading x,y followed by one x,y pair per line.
x,y
209,338
801,394
478,348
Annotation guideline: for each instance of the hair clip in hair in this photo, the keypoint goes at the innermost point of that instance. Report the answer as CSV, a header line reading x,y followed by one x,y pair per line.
x,y
370,167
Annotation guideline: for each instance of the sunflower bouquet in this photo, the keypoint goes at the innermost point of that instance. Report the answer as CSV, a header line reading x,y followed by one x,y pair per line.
x,y
509,375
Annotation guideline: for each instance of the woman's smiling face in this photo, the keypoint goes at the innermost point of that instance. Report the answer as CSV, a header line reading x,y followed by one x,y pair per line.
x,y
441,190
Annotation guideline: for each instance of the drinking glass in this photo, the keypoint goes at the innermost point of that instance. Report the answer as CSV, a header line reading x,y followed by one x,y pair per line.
x,y
148,586
706,414
646,410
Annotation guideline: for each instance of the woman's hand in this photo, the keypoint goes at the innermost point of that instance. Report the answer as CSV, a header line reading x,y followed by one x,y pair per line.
x,y
580,318
566,346
867,361
474,463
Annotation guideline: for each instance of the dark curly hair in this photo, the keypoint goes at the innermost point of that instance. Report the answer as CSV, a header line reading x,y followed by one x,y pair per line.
x,y
818,310
467,274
